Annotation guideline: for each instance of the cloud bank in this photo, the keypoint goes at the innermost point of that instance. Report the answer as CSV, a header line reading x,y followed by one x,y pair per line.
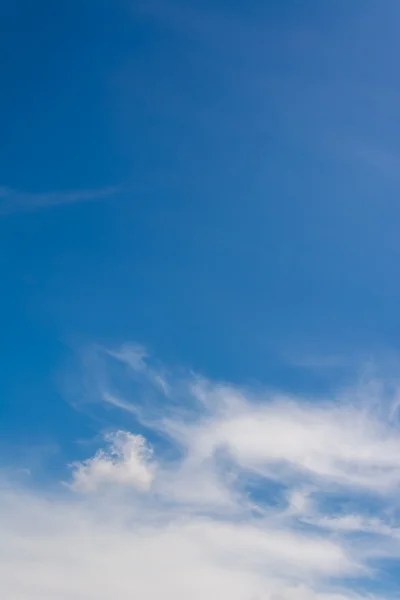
x,y
212,492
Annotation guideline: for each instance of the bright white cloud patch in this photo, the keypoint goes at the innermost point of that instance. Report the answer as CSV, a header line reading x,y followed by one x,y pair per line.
x,y
337,443
126,463
228,499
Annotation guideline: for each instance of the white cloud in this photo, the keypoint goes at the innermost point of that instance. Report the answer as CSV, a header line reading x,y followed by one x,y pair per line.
x,y
128,462
185,520
340,442
133,355
122,549
299,502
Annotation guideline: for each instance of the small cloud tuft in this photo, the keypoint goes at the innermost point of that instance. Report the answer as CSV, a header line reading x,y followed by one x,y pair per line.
x,y
126,461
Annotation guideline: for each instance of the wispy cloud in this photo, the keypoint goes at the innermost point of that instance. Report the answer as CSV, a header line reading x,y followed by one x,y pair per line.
x,y
316,362
13,201
226,498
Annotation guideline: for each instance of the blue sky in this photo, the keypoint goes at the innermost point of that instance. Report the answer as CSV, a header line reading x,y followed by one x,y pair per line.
x,y
204,192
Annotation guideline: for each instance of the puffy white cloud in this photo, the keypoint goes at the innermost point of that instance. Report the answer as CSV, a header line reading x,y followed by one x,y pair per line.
x,y
128,462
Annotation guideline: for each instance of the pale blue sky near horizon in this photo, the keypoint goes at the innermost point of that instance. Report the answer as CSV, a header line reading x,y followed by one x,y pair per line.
x,y
218,181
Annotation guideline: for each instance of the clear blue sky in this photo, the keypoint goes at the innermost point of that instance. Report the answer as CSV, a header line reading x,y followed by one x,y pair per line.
x,y
216,181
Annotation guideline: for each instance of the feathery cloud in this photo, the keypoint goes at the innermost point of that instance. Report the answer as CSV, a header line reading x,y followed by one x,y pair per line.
x,y
12,201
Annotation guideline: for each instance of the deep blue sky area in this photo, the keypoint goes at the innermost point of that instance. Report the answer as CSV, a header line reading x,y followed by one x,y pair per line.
x,y
254,232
